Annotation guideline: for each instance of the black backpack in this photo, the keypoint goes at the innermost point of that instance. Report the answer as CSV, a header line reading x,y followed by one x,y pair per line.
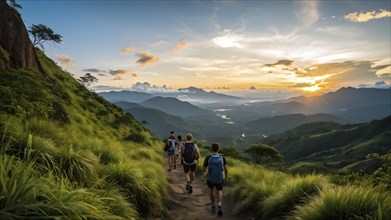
x,y
189,154
167,145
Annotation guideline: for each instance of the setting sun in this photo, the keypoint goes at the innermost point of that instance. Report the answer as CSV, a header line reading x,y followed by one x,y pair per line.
x,y
313,88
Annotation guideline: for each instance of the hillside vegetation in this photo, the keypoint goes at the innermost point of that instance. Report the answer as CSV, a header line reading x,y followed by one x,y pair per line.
x,y
334,144
68,153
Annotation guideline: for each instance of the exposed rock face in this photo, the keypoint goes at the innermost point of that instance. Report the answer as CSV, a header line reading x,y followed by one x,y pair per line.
x,y
16,49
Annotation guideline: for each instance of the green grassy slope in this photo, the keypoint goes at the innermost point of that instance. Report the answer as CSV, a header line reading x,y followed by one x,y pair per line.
x,y
338,145
73,154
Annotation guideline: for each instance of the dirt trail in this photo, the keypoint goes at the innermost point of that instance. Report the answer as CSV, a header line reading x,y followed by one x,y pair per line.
x,y
182,205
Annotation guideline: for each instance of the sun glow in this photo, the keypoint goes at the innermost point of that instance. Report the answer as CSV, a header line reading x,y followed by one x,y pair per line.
x,y
313,88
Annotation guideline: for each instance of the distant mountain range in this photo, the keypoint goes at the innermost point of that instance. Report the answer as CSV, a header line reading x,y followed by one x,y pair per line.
x,y
174,106
355,105
190,94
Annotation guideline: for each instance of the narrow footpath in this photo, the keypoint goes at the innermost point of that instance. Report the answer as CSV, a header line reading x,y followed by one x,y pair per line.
x,y
182,205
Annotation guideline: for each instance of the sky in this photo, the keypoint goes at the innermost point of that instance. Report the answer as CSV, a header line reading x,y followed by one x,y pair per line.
x,y
226,46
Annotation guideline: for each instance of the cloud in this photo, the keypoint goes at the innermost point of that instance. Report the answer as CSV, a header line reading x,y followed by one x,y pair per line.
x,y
309,13
94,70
181,45
377,85
252,88
158,44
103,88
280,63
65,60
366,16
146,59
119,74
228,40
147,87
126,50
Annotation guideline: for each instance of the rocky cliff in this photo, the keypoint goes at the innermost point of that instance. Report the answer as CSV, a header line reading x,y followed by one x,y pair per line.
x,y
16,49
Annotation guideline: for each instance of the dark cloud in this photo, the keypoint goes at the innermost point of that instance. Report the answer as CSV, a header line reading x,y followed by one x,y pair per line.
x,y
146,59
377,85
280,63
252,88
93,70
101,74
118,72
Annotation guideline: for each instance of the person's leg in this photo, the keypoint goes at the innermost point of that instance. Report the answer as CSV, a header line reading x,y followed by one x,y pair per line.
x,y
186,168
169,161
212,196
219,195
174,160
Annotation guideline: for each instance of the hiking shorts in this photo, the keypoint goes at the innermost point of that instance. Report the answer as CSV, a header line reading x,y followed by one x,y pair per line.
x,y
170,152
186,168
219,186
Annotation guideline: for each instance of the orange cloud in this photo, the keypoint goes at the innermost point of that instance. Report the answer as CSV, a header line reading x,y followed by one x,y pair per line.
x,y
366,16
146,59
181,45
126,50
65,60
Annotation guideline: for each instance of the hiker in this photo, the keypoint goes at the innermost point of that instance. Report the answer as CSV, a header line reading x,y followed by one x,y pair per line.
x,y
216,164
171,151
179,148
190,154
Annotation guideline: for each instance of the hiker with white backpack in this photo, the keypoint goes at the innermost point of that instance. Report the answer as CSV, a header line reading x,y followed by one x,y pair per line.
x,y
190,154
216,165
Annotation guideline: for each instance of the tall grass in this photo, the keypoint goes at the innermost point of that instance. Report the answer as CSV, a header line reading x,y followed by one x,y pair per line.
x,y
77,165
293,192
347,202
26,195
139,190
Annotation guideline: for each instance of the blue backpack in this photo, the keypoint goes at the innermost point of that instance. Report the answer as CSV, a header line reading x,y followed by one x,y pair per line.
x,y
215,168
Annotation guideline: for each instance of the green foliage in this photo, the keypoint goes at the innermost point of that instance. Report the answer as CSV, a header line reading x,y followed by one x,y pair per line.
x,y
87,79
261,153
42,33
347,202
230,151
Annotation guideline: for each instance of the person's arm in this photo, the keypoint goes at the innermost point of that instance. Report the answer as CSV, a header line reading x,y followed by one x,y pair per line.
x,y
205,163
225,170
197,154
225,174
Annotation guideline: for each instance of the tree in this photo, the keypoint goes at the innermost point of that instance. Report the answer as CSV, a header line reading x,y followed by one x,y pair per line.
x,y
87,79
231,151
261,153
15,5
42,33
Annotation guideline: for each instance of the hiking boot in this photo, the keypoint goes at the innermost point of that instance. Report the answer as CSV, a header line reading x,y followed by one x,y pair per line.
x,y
175,166
188,186
212,208
220,211
190,189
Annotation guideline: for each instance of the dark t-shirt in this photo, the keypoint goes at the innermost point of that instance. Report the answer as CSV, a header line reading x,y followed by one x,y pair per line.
x,y
207,159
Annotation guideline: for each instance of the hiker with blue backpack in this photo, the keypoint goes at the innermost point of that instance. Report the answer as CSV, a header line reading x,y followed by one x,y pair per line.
x,y
190,154
216,165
